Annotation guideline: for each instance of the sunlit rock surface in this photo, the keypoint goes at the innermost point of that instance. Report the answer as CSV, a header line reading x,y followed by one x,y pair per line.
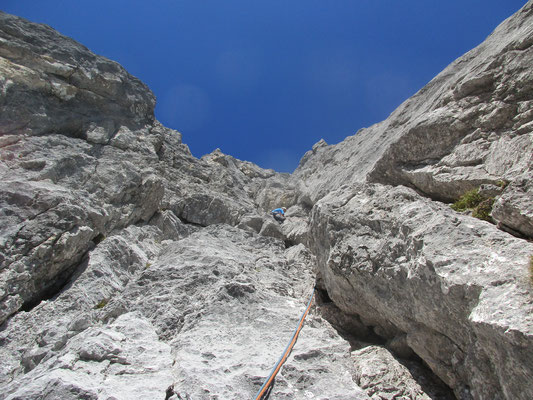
x,y
132,270
471,125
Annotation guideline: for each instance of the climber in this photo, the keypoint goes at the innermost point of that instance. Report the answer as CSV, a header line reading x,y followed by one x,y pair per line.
x,y
279,214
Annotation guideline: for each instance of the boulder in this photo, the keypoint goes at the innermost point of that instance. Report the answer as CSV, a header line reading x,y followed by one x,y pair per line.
x,y
272,229
252,222
514,208
383,377
457,287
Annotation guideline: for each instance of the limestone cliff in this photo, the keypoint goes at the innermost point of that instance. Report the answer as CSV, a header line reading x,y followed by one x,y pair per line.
x,y
470,125
453,289
131,269
124,274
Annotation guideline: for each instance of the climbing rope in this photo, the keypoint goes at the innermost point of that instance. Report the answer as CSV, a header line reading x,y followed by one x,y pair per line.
x,y
264,391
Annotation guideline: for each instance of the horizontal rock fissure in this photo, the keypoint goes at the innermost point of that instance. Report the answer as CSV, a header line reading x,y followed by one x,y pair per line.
x,y
422,193
48,293
334,315
187,222
419,370
61,281
501,226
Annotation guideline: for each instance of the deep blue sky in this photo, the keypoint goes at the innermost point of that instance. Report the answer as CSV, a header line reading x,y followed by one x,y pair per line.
x,y
265,80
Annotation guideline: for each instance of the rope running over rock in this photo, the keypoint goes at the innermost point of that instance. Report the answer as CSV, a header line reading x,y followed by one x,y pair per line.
x,y
264,390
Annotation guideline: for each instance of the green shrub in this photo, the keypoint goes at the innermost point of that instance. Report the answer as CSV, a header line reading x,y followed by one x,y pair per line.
x,y
148,265
469,200
483,210
481,207
502,183
101,304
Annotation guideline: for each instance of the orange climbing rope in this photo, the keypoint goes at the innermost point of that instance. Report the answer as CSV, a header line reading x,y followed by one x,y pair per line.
x,y
270,379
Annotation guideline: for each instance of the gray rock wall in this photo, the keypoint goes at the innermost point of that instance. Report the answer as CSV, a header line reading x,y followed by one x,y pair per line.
x,y
204,315
66,184
121,274
131,269
55,84
453,289
472,124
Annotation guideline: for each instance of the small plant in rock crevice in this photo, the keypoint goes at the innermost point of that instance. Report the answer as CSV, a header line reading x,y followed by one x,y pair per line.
x,y
101,304
480,206
483,210
467,201
502,183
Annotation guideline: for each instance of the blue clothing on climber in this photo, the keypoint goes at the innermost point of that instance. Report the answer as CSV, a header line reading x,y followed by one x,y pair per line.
x,y
279,214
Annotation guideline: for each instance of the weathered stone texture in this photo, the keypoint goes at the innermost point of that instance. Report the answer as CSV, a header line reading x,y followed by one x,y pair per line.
x,y
456,287
131,269
139,307
471,125
42,73
121,276
383,377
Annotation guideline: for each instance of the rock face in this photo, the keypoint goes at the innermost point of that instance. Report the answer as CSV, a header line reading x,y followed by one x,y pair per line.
x,y
453,289
471,125
411,269
43,71
123,273
206,315
131,269
456,290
